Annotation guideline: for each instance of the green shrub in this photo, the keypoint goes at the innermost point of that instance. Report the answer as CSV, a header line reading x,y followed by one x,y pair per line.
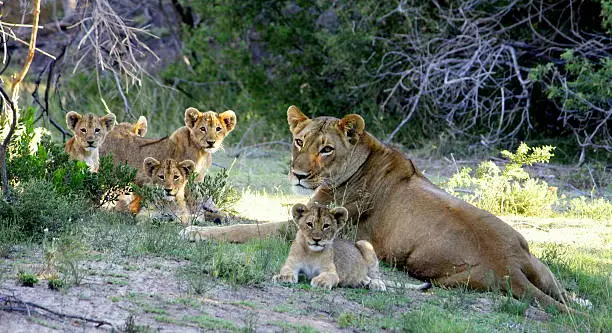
x,y
27,279
510,191
217,187
597,208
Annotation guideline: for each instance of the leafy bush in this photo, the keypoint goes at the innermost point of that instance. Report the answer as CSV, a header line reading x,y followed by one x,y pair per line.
x,y
27,279
217,187
510,191
597,209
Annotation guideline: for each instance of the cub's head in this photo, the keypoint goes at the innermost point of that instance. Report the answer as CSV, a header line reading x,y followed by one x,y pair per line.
x,y
89,130
139,128
319,225
208,129
325,150
171,175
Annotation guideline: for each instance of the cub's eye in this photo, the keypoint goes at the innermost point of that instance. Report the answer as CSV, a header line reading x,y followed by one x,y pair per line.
x,y
299,142
309,225
326,150
325,226
203,129
84,130
97,130
161,177
218,129
176,178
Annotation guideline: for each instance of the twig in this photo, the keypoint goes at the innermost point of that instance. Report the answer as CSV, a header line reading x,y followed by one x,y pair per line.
x,y
12,299
531,225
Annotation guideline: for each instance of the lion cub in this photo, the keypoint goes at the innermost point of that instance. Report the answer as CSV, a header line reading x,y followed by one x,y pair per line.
x,y
328,261
89,131
139,128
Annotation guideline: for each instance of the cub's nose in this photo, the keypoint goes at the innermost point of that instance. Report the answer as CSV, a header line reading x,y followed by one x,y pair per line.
x,y
316,240
90,143
210,143
300,175
168,191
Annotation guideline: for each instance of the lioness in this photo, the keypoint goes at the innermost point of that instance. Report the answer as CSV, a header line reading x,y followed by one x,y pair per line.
x,y
89,131
202,135
328,261
409,221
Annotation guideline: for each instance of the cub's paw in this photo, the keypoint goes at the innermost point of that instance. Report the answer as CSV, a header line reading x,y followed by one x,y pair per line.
x,y
288,278
194,233
325,280
377,284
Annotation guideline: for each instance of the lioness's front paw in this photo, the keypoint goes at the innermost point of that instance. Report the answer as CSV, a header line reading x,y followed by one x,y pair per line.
x,y
325,280
193,233
377,284
289,278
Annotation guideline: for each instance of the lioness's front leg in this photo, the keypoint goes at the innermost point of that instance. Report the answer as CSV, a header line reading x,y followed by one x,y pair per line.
x,y
325,280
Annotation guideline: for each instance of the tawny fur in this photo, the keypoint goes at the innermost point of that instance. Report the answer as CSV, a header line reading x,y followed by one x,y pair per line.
x,y
89,133
124,129
202,135
410,222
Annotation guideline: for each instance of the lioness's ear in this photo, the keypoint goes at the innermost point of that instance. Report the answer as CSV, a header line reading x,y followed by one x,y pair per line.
x,y
340,214
149,165
141,126
109,121
229,119
295,117
191,116
72,118
352,125
188,167
298,211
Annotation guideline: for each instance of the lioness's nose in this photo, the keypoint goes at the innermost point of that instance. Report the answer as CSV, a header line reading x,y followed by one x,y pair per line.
x,y
300,175
210,143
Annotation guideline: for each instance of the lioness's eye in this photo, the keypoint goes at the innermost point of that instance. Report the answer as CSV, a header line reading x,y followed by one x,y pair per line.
x,y
84,130
299,142
325,226
309,225
97,130
161,177
327,150
218,129
203,129
176,177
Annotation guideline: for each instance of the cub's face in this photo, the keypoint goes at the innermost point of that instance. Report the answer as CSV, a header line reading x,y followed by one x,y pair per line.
x,y
139,128
208,129
89,130
171,175
319,225
322,148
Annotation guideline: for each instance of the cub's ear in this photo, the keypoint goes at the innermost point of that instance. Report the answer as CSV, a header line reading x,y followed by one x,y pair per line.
x,y
72,118
228,118
191,116
188,166
149,165
298,211
352,125
295,117
340,214
109,121
141,126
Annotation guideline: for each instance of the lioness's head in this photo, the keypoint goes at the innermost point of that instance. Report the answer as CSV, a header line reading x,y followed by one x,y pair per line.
x,y
208,129
319,225
89,130
325,150
139,128
171,175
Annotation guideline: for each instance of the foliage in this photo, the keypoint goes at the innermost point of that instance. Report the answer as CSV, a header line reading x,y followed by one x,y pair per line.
x,y
27,279
217,187
510,191
597,208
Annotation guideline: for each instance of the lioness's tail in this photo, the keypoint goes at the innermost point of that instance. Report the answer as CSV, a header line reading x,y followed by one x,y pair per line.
x,y
237,233
399,285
